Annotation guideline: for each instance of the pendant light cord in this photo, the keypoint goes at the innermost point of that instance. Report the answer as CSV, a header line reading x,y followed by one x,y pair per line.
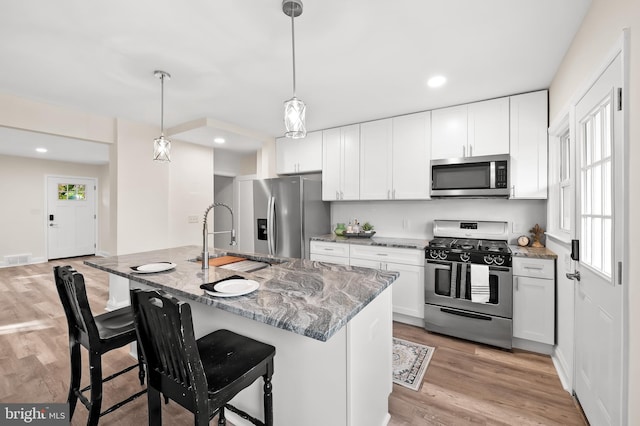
x,y
162,104
293,48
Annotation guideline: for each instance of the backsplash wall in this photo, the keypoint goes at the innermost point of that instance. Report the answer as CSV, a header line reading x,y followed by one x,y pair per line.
x,y
414,219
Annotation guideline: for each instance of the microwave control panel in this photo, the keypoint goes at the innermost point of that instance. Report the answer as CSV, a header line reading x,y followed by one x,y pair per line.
x,y
501,174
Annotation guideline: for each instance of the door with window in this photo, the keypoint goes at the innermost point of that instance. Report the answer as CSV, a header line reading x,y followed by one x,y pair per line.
x,y
71,217
599,216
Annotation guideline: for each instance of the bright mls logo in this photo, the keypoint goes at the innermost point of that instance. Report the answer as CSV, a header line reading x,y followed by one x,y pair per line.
x,y
35,414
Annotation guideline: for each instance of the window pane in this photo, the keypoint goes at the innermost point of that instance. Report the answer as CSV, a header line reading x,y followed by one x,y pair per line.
x,y
607,130
586,239
606,188
596,243
607,246
588,188
596,175
597,137
588,143
565,201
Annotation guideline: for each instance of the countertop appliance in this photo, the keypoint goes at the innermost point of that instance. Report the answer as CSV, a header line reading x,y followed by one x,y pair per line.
x,y
288,211
468,282
471,177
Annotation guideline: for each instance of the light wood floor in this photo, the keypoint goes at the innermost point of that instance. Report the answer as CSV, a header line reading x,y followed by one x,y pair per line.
x,y
466,383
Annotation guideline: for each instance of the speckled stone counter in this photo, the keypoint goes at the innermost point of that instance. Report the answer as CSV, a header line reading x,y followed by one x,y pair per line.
x,y
375,241
331,325
305,297
534,252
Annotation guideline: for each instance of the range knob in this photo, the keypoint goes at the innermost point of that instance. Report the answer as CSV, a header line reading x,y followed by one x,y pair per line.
x,y
443,255
465,257
488,259
433,254
498,260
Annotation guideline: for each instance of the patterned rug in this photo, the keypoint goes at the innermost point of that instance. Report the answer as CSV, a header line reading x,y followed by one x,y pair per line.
x,y
410,361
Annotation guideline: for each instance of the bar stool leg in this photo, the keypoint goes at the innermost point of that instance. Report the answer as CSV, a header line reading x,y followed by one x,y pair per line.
x,y
268,401
221,418
95,372
76,373
155,407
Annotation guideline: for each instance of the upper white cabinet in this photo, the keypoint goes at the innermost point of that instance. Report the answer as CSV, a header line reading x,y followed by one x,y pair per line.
x,y
394,158
480,128
376,165
528,146
411,156
341,163
449,132
299,155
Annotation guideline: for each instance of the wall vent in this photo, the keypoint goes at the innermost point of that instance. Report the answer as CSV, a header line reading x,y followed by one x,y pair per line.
x,y
17,259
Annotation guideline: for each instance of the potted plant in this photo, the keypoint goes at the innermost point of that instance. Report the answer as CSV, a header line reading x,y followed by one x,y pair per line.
x,y
367,228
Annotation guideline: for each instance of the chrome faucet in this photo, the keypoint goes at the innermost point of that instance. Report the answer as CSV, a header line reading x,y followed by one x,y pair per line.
x,y
205,233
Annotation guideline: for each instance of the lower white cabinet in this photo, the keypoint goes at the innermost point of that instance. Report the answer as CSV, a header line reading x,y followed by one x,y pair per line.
x,y
534,299
407,290
337,253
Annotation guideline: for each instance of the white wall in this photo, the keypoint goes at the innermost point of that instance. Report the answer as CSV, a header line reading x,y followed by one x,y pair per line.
x,y
600,30
414,219
22,209
229,163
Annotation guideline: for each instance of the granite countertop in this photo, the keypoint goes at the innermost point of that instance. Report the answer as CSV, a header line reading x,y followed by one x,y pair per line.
x,y
309,298
534,252
411,243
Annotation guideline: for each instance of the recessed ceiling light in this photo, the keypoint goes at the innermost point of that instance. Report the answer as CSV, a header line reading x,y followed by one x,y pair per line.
x,y
43,150
219,140
436,81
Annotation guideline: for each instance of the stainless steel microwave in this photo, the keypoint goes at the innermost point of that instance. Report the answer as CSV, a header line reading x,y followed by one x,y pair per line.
x,y
471,177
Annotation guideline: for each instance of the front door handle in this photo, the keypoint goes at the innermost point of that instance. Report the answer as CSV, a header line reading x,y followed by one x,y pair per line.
x,y
574,276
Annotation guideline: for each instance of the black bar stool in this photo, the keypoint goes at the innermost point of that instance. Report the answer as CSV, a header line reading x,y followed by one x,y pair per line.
x,y
99,335
201,375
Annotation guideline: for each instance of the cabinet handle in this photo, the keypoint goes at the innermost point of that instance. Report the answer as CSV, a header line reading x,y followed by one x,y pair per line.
x,y
464,151
382,254
388,194
513,190
337,195
327,249
517,279
341,195
394,194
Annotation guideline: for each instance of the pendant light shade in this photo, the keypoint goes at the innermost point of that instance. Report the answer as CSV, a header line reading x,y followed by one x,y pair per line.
x,y
294,108
162,145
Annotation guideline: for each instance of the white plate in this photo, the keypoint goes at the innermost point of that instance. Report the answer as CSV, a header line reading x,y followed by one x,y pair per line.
x,y
150,268
231,288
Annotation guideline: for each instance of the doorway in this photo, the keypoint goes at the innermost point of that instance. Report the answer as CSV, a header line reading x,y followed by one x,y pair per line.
x,y
71,216
222,193
600,360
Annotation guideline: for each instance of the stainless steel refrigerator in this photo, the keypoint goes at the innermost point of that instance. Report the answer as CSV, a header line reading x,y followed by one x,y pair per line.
x,y
287,211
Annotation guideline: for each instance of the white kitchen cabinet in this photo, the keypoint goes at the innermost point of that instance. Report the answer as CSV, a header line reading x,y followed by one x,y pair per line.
x,y
488,127
534,299
394,158
376,147
449,132
299,155
408,289
529,145
341,163
321,251
471,130
411,156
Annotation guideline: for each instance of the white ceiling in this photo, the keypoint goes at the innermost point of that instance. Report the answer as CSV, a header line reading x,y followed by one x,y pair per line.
x,y
231,63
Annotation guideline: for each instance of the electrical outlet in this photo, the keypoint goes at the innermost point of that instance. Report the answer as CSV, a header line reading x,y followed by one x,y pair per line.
x,y
192,219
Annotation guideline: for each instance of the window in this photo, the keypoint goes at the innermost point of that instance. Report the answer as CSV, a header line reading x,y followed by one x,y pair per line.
x,y
564,183
596,189
71,191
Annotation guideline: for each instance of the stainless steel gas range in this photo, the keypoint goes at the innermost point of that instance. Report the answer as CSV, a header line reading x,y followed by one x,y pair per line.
x,y
468,281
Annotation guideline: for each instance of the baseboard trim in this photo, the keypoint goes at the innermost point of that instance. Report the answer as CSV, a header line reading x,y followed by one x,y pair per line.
x,y
561,368
406,319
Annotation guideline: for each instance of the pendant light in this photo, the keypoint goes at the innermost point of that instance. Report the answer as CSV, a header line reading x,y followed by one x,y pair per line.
x,y
294,108
162,145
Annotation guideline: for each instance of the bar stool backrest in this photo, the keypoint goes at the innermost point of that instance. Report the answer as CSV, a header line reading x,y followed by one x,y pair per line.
x,y
165,331
73,295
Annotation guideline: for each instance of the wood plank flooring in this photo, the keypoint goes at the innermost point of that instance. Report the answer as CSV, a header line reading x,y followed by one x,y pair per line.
x,y
466,383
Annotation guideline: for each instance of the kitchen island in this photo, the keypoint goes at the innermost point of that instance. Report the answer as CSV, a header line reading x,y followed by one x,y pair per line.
x,y
331,326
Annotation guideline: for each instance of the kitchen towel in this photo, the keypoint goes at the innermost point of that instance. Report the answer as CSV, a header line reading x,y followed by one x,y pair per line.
x,y
480,283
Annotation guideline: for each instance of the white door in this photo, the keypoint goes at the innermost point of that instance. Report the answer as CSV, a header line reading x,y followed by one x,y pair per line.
x,y
71,219
598,292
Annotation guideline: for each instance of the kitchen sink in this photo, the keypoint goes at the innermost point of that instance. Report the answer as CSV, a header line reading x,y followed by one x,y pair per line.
x,y
237,262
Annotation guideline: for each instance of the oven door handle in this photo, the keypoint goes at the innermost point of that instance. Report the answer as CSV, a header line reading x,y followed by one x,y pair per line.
x,y
465,314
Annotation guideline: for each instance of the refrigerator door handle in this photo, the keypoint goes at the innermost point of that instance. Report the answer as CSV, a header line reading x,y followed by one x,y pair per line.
x,y
271,225
274,227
